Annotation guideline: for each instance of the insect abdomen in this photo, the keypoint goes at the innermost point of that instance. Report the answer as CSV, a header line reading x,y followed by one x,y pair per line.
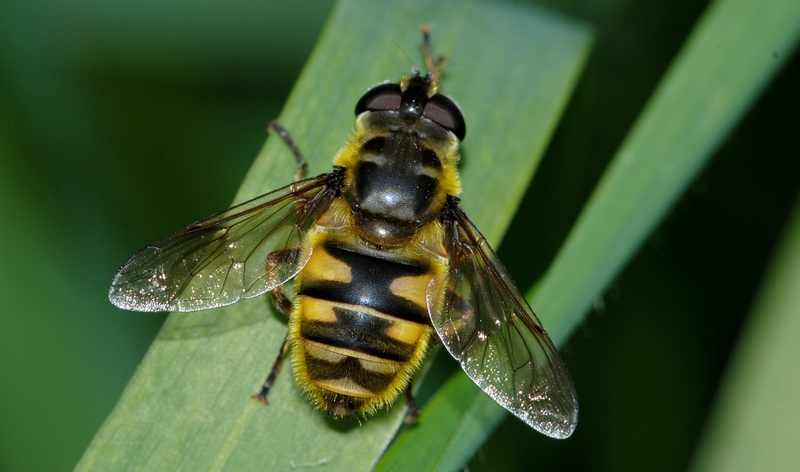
x,y
360,327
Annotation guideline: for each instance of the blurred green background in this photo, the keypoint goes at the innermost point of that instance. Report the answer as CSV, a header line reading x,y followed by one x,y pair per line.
x,y
120,122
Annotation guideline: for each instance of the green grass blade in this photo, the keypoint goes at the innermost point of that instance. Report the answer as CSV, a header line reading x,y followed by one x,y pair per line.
x,y
188,406
732,54
456,421
754,424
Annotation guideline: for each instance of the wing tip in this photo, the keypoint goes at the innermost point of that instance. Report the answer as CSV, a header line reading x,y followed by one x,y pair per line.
x,y
547,415
557,419
556,430
125,300
552,424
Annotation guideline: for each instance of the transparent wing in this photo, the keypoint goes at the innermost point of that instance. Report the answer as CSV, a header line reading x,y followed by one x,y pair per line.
x,y
239,253
487,325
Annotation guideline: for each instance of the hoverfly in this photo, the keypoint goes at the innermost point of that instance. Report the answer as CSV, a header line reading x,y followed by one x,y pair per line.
x,y
385,264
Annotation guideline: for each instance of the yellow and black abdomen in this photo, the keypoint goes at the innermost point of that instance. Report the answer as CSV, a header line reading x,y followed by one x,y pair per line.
x,y
360,327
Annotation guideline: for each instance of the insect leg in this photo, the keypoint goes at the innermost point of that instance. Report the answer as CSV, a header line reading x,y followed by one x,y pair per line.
x,y
276,367
281,301
413,410
284,305
279,298
302,165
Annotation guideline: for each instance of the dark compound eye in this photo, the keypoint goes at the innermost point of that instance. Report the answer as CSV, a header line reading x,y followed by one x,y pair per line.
x,y
379,98
444,112
439,109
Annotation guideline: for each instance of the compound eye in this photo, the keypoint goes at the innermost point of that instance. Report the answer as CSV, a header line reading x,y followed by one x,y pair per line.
x,y
444,112
379,98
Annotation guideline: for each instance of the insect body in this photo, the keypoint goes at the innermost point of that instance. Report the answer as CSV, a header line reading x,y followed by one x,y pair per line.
x,y
384,262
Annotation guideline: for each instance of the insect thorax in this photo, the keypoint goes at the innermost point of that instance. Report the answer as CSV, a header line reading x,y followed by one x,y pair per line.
x,y
399,174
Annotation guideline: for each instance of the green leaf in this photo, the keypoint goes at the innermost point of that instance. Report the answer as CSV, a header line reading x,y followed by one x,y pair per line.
x,y
732,54
721,70
188,405
754,424
453,424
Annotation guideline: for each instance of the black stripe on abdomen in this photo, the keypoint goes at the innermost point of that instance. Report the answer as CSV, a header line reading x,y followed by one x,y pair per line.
x,y
351,368
370,284
358,332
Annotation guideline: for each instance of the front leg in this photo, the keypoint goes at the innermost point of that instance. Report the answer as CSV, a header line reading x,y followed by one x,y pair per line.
x,y
302,165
